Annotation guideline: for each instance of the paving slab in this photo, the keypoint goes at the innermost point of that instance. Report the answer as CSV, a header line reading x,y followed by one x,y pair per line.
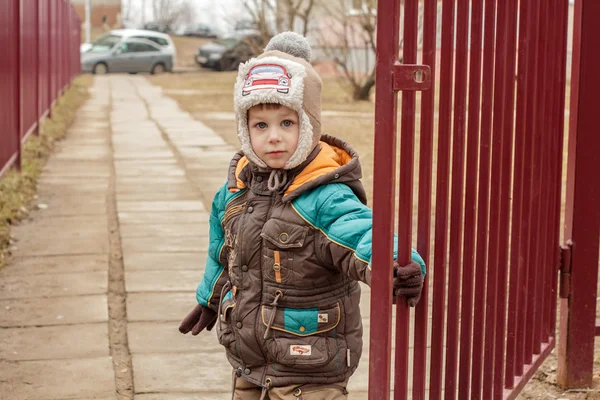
x,y
142,189
163,281
164,337
198,372
171,206
57,311
63,235
168,230
163,217
150,181
52,285
158,306
86,204
164,243
179,195
54,342
56,264
57,379
165,261
147,155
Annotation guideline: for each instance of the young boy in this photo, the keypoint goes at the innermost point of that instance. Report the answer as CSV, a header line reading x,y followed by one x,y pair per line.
x,y
290,236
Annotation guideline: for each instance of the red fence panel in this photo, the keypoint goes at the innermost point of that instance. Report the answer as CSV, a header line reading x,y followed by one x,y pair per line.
x,y
495,157
41,55
9,84
29,64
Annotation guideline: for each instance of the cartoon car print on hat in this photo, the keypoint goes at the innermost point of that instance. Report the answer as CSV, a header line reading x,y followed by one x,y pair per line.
x,y
267,76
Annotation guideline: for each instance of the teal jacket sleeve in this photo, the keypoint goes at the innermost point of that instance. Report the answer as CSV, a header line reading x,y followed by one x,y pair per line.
x,y
346,226
209,289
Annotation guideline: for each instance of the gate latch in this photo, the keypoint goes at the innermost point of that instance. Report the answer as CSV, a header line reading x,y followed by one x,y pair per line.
x,y
565,270
413,77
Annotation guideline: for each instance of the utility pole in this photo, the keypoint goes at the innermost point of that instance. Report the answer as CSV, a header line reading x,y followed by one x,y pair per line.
x,y
88,21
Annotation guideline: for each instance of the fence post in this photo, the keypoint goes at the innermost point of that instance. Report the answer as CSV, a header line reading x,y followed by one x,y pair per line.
x,y
19,126
38,108
582,225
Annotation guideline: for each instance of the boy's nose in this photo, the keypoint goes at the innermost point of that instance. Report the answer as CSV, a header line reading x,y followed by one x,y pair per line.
x,y
274,136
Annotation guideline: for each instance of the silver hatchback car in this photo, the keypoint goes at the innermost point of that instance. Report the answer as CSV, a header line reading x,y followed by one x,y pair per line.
x,y
129,55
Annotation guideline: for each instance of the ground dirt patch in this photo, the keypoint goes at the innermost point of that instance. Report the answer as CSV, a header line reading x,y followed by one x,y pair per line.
x,y
207,96
17,189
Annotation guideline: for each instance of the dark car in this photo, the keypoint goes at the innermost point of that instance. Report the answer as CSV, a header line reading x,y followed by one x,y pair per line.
x,y
201,31
228,53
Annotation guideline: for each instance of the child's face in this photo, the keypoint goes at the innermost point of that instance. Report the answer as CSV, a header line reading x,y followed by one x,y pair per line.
x,y
273,133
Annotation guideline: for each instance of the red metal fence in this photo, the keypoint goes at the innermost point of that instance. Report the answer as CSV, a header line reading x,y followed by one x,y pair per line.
x,y
41,39
494,157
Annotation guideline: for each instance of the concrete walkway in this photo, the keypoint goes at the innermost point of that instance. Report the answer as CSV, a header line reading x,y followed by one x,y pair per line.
x,y
108,264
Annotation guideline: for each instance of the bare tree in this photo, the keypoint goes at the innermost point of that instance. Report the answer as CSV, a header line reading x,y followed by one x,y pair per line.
x,y
273,16
170,12
347,35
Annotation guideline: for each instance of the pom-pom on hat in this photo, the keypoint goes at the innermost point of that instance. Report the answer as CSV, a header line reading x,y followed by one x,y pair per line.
x,y
282,75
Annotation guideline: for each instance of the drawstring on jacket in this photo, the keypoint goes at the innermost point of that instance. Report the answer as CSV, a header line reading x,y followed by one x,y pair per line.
x,y
278,295
277,179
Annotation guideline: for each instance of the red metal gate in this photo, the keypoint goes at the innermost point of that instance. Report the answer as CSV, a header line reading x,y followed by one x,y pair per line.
x,y
488,172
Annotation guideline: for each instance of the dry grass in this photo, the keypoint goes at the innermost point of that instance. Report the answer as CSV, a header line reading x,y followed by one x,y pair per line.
x,y
18,189
208,97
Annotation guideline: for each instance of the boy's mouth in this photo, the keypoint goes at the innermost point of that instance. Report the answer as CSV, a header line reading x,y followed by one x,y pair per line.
x,y
276,153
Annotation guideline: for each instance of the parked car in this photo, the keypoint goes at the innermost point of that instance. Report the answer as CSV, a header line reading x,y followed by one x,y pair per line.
x,y
228,53
155,26
116,36
129,55
201,31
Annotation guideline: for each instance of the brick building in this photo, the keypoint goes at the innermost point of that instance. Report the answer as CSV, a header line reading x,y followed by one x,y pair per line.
x,y
103,11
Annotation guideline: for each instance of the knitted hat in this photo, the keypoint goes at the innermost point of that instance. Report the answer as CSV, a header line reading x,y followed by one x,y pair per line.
x,y
282,75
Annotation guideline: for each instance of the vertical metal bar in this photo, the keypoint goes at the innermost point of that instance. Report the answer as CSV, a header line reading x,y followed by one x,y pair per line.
x,y
495,196
388,15
578,312
529,200
424,207
405,187
470,199
456,201
537,193
505,194
549,264
516,265
50,50
560,112
38,61
442,194
483,197
18,82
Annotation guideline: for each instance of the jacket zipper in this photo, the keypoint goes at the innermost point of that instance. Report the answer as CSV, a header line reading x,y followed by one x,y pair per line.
x,y
277,267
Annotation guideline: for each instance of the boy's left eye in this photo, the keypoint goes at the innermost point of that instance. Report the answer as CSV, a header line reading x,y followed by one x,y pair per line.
x,y
287,123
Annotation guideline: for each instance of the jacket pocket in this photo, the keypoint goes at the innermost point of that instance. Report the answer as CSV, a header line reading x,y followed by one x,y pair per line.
x,y
305,339
225,333
284,235
283,239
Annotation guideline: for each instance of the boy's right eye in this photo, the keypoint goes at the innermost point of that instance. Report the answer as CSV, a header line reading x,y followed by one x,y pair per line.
x,y
261,125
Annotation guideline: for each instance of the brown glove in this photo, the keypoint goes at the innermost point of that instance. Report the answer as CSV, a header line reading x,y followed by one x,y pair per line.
x,y
198,319
408,282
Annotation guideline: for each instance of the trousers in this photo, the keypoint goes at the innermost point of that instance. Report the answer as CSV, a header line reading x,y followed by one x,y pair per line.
x,y
245,390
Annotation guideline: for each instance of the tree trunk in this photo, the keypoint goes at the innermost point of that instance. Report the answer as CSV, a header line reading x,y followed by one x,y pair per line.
x,y
363,91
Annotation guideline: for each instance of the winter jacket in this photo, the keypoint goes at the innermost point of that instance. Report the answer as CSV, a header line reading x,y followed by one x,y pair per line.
x,y
283,268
